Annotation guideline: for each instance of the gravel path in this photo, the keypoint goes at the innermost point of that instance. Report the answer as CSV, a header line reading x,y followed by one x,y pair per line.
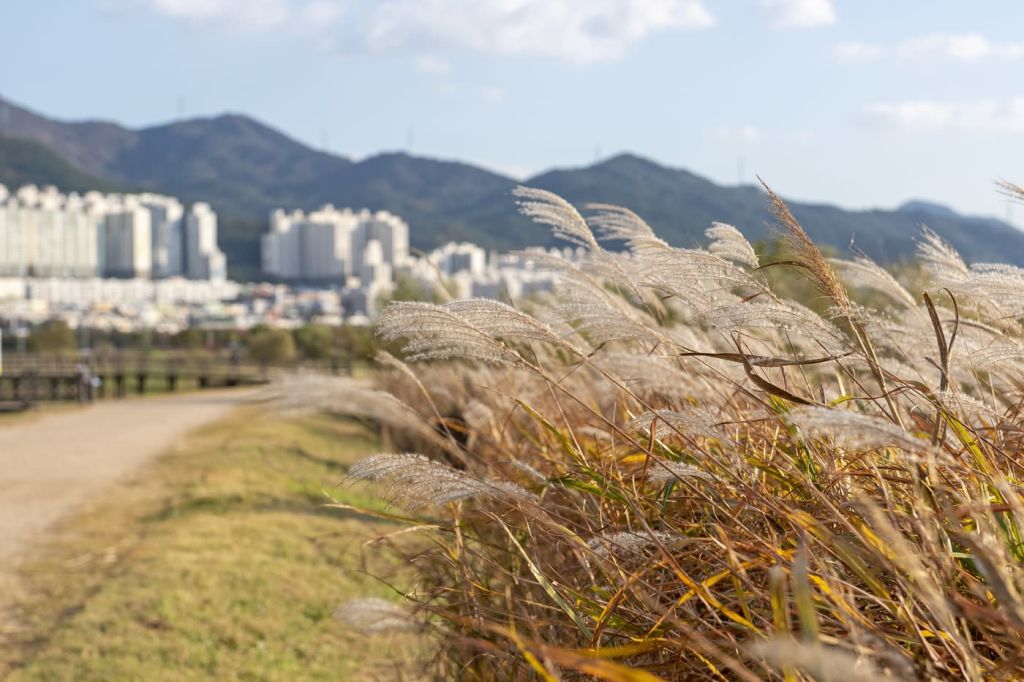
x,y
51,463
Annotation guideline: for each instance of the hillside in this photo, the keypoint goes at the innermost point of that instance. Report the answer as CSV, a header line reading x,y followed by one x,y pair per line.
x,y
24,162
245,168
680,205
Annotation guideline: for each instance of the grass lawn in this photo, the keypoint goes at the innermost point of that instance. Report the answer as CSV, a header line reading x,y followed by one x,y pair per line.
x,y
217,562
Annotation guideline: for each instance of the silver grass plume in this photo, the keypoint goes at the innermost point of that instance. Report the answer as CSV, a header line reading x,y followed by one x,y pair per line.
x,y
352,399
940,259
819,661
630,542
864,273
997,355
501,320
729,243
959,403
604,317
373,615
662,471
620,271
645,372
435,333
469,330
695,265
857,313
413,481
1011,190
854,431
584,304
541,260
615,223
531,472
785,316
998,284
550,209
669,423
907,333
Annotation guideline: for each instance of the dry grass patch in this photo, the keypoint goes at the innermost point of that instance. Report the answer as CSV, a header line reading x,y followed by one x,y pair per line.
x,y
218,562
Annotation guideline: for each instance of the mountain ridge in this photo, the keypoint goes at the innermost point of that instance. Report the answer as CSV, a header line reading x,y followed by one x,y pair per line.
x,y
244,168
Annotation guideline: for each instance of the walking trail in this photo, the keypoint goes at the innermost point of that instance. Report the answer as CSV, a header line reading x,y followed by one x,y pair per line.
x,y
51,464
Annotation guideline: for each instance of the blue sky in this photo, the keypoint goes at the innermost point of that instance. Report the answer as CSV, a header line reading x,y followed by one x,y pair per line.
x,y
863,103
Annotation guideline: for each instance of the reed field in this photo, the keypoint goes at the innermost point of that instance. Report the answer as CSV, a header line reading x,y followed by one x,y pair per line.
x,y
667,470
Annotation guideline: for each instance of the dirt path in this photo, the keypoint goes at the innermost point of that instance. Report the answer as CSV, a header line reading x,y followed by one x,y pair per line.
x,y
52,463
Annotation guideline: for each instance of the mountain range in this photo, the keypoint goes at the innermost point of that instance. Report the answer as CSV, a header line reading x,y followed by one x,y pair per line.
x,y
245,168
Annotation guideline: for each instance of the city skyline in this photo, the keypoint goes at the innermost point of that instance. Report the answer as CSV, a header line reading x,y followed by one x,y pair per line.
x,y
858,104
47,233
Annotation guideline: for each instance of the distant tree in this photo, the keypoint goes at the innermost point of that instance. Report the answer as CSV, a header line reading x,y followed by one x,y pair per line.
x,y
358,341
270,346
315,341
51,337
188,339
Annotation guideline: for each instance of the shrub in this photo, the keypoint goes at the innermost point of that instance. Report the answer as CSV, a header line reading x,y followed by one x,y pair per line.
x,y
52,337
315,341
668,471
190,338
270,346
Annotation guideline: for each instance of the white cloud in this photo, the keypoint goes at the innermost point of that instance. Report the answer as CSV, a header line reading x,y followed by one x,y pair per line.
x,y
304,17
744,133
493,94
859,52
962,47
514,171
432,65
803,137
574,30
978,116
319,14
244,15
798,13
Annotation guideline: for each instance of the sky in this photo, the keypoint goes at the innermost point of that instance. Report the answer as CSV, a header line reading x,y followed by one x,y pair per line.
x,y
862,103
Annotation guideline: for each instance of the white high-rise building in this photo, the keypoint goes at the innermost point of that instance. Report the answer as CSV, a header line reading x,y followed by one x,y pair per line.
x,y
463,257
47,234
279,249
203,260
44,233
332,245
166,219
127,238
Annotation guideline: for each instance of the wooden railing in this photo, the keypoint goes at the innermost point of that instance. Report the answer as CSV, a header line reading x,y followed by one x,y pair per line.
x,y
29,378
